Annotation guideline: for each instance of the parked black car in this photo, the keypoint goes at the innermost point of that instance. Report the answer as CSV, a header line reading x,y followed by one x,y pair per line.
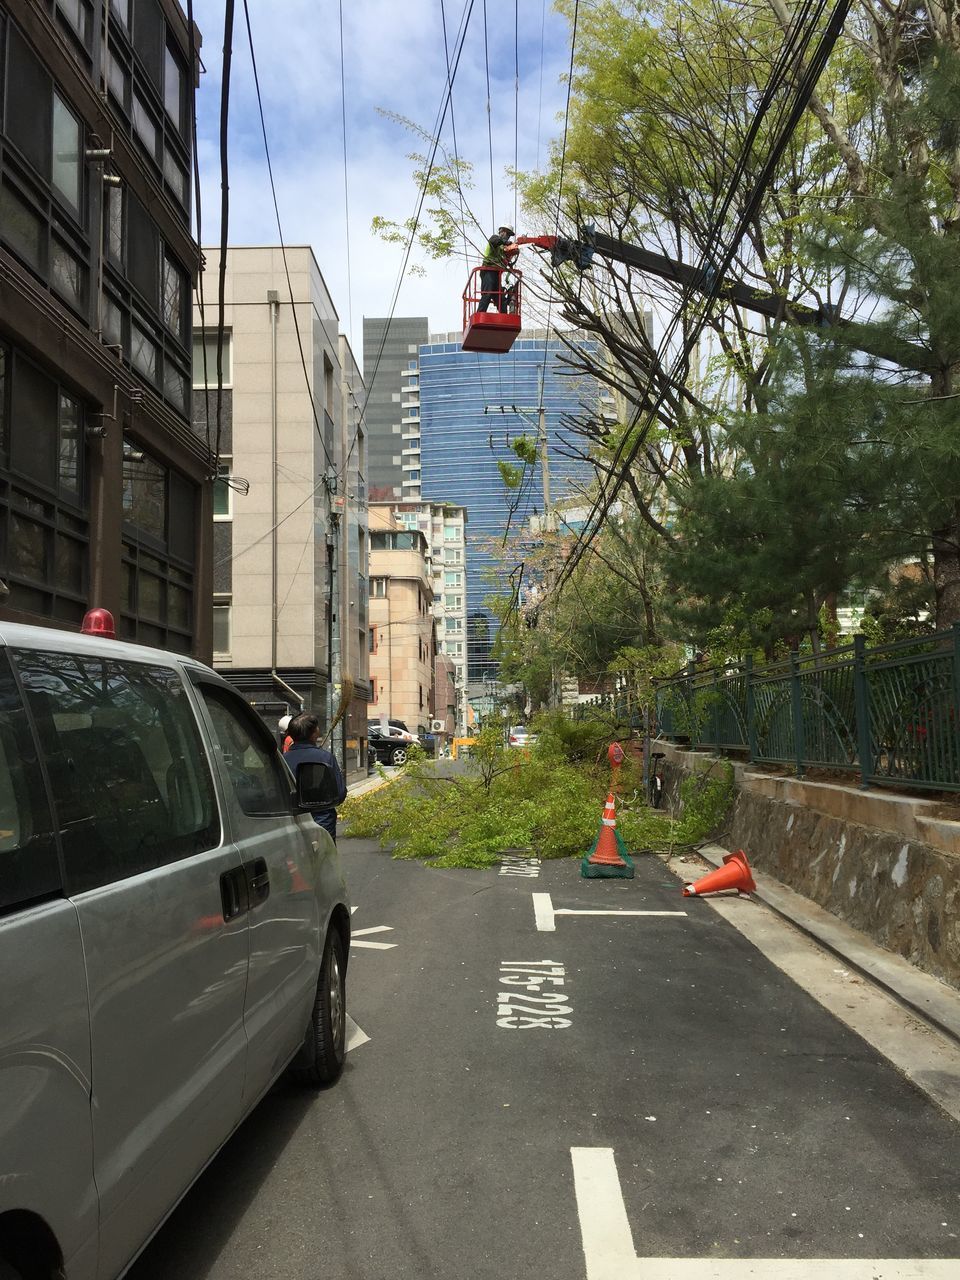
x,y
387,750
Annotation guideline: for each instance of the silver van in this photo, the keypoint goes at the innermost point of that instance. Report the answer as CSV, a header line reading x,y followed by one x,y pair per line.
x,y
174,932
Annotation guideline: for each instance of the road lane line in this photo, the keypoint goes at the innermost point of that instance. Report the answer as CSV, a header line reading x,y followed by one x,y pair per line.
x,y
543,911
607,1242
609,1253
570,911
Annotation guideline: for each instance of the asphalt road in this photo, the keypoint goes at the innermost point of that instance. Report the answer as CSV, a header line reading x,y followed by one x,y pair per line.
x,y
710,1108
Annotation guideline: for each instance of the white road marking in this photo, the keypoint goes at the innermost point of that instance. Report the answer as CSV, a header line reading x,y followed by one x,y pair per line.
x,y
543,910
355,1037
357,940
569,911
546,913
609,1252
512,865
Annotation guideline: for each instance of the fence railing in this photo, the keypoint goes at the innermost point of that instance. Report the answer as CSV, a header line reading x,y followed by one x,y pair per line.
x,y
890,714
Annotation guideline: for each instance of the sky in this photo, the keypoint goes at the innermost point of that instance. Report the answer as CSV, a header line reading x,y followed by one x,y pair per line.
x,y
393,61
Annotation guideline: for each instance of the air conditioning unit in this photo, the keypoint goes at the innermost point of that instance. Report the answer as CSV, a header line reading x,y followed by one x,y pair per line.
x,y
436,726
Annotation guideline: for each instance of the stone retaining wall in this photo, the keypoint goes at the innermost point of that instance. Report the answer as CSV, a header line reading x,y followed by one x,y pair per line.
x,y
887,864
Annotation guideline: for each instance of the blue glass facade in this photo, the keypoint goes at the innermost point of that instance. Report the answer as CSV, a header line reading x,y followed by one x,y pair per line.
x,y
461,446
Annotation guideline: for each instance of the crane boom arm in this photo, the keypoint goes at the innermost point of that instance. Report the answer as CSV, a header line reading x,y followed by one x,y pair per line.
x,y
867,338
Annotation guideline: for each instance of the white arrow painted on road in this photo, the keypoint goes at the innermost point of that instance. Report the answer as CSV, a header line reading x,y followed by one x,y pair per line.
x,y
355,1037
610,1255
375,946
546,913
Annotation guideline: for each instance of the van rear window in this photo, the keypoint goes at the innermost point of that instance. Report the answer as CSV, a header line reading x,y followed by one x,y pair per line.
x,y
130,779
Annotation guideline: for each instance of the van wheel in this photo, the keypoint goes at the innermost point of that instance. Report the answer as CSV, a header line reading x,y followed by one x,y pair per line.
x,y
320,1059
8,1273
399,756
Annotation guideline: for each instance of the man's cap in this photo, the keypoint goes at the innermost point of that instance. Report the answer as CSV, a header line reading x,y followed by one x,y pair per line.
x,y
283,724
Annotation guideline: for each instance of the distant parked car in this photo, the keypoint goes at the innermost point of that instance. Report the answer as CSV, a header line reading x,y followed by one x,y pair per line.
x,y
395,729
518,735
387,748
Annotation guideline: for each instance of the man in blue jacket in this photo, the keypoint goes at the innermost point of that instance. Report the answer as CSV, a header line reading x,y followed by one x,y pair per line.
x,y
304,729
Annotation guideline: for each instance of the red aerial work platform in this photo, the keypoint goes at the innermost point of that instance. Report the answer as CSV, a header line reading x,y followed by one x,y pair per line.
x,y
497,330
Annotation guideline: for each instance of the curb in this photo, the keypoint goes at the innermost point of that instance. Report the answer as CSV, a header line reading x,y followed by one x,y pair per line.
x,y
921,993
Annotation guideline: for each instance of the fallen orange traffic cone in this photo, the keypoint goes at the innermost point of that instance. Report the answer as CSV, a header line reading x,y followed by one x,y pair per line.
x,y
734,874
606,852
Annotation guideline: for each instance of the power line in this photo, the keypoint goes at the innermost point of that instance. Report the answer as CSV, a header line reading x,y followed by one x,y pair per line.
x,y
224,208
346,184
192,100
283,250
711,270
486,60
441,116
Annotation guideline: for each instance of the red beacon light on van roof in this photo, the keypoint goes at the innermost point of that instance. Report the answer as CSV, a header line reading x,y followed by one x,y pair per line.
x,y
99,622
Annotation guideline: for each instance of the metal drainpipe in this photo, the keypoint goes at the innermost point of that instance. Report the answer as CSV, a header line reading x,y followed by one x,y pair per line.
x,y
273,301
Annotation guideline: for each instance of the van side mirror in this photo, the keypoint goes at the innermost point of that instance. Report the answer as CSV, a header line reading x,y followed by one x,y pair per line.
x,y
316,786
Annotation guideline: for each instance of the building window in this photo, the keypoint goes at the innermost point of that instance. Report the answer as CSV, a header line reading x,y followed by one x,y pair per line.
x,y
222,491
222,625
68,275
65,171
71,422
118,80
77,13
451,579
113,224
373,689
21,228
144,126
451,533
143,353
453,602
378,588
173,88
173,295
205,358
373,640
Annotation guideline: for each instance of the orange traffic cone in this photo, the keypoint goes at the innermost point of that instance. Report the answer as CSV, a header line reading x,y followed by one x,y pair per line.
x,y
734,874
607,853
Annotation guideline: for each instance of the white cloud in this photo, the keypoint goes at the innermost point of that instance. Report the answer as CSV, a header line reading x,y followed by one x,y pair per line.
x,y
394,60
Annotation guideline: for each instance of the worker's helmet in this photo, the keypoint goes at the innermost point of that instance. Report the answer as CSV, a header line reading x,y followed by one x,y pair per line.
x,y
283,724
506,228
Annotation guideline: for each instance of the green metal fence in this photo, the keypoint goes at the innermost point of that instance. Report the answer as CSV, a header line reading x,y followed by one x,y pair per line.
x,y
890,714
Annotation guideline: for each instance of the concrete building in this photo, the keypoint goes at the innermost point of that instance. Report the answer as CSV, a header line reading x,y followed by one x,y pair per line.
x,y
444,525
389,372
402,626
105,491
290,526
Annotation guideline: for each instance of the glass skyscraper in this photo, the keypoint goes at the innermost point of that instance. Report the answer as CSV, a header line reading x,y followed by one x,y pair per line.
x,y
472,407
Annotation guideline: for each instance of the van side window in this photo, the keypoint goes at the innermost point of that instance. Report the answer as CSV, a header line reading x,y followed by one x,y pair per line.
x,y
130,778
29,868
261,783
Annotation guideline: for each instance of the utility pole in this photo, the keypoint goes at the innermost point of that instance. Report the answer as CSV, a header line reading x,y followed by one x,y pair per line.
x,y
539,423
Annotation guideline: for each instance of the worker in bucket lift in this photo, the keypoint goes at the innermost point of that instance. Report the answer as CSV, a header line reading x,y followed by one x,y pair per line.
x,y
498,257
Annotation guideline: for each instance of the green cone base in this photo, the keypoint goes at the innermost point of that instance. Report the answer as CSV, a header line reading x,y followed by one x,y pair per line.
x,y
592,871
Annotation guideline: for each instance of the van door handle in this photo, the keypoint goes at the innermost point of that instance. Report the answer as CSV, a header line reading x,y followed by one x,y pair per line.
x,y
234,894
258,880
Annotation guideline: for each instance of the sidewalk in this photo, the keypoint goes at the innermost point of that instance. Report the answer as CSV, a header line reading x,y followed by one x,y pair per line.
x,y
923,994
371,782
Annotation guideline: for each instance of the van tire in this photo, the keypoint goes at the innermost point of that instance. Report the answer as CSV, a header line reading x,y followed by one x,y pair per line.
x,y
320,1060
399,756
